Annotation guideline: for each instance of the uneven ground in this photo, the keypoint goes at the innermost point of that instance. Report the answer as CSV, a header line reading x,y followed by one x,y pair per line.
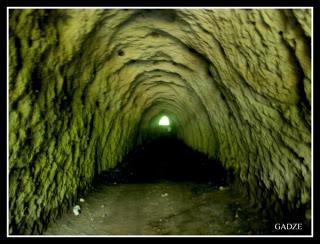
x,y
161,208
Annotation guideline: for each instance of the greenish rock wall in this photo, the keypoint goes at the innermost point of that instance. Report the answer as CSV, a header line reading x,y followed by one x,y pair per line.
x,y
85,84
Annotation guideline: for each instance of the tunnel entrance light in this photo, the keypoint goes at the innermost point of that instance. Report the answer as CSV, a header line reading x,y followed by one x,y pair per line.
x,y
164,121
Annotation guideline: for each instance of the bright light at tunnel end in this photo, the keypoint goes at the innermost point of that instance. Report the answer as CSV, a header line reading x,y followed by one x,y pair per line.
x,y
164,121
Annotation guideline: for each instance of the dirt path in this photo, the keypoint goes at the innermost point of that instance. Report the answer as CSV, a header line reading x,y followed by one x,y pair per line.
x,y
162,208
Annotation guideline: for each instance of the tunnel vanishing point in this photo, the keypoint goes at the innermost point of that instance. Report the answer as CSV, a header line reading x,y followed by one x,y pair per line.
x,y
86,86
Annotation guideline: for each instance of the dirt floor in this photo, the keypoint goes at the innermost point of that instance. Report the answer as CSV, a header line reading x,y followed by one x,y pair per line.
x,y
161,208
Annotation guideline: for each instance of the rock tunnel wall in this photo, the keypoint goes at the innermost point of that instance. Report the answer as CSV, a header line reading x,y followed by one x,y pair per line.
x,y
85,84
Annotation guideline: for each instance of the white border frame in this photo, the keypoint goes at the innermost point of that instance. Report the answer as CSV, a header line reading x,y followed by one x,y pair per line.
x,y
164,236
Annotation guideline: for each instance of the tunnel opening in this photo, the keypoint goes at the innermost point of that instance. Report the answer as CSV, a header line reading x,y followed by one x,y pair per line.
x,y
164,121
167,158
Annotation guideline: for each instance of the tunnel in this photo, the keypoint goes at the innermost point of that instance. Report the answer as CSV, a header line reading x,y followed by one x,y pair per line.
x,y
212,102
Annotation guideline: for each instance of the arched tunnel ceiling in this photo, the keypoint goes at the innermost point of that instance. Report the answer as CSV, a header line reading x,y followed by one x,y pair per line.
x,y
85,83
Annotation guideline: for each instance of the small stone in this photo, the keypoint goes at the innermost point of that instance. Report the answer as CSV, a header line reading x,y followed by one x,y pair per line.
x,y
221,188
236,216
164,194
81,200
76,210
102,206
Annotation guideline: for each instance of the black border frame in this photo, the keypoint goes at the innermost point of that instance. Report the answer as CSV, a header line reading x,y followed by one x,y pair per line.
x,y
200,3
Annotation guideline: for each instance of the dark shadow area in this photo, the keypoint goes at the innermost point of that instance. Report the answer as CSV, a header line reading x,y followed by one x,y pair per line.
x,y
166,158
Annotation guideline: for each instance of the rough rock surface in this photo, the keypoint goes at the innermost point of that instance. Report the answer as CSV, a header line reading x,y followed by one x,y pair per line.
x,y
85,86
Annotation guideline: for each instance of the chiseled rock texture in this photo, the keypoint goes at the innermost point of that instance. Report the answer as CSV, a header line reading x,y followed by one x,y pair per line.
x,y
87,85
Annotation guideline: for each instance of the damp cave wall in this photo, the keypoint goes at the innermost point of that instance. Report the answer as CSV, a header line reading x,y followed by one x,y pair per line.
x,y
85,84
